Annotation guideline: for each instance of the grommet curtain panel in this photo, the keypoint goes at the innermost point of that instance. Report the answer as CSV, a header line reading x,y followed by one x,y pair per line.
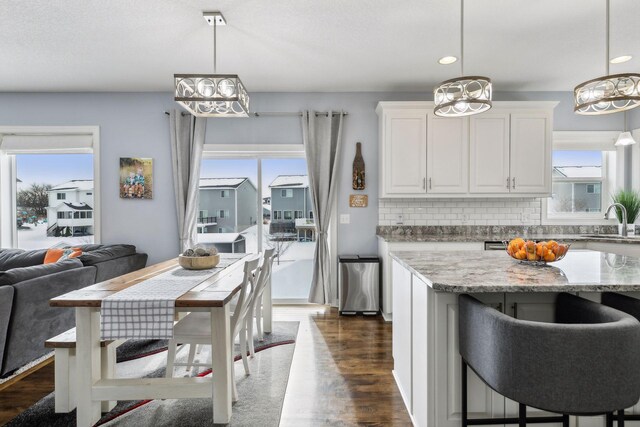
x,y
322,137
187,142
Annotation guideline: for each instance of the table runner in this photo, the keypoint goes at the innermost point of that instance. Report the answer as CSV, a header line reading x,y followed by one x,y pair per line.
x,y
146,310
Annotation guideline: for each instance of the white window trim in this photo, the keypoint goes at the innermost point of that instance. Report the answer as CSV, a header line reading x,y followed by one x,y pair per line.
x,y
596,141
8,231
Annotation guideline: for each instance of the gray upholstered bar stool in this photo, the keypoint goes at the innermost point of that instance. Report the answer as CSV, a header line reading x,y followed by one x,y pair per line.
x,y
584,364
631,306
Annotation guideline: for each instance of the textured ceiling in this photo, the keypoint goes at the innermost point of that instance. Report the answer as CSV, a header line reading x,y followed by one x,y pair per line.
x,y
304,45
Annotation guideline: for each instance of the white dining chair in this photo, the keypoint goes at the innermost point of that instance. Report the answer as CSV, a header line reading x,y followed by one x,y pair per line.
x,y
262,282
195,328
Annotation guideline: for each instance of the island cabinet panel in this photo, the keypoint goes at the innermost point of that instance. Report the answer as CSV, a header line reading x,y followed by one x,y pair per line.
x,y
402,331
422,364
447,155
405,152
481,400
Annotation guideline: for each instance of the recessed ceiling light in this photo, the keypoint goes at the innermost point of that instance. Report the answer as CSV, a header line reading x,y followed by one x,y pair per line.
x,y
446,60
621,59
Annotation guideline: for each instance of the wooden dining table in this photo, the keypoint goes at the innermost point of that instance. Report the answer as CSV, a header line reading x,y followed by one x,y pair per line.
x,y
212,295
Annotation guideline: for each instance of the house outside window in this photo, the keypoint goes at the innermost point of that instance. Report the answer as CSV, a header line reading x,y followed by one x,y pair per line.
x,y
288,215
299,214
224,194
277,214
287,193
223,213
310,214
61,196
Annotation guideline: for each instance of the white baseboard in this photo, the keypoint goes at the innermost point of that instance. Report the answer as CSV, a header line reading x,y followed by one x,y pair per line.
x,y
388,317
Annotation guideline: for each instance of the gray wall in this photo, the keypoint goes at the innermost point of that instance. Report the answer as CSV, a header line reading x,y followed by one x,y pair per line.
x,y
211,201
133,125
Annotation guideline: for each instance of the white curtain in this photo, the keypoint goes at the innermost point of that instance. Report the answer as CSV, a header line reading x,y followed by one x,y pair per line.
x,y
187,142
322,137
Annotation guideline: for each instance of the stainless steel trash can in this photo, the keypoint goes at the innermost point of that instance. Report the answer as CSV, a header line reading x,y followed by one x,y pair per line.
x,y
359,284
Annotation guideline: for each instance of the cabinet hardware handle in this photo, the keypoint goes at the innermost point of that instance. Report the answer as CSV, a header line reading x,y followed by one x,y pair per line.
x,y
515,310
429,183
424,183
508,180
514,182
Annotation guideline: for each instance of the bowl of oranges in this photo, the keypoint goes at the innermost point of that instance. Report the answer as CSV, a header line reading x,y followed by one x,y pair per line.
x,y
538,253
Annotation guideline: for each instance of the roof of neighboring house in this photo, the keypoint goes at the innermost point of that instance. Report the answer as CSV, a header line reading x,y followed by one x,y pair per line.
x,y
76,206
223,182
75,184
219,237
577,171
290,181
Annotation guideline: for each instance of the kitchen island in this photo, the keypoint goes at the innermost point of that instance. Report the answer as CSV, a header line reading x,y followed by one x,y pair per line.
x,y
426,286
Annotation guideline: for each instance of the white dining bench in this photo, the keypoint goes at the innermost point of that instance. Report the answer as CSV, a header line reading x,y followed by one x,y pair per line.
x,y
64,346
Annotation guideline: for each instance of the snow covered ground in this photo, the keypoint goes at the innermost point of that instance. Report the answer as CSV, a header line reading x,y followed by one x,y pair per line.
x,y
292,273
31,236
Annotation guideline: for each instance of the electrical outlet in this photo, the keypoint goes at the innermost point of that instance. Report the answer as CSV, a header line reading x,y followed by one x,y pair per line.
x,y
399,219
345,219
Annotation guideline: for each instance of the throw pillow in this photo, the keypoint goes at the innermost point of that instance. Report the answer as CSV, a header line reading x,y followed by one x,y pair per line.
x,y
56,255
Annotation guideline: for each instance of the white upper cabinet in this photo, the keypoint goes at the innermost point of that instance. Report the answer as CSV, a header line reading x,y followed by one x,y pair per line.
x,y
505,152
405,152
447,155
531,152
489,148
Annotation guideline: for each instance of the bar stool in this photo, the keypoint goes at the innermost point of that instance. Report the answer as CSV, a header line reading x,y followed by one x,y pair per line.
x,y
584,364
630,306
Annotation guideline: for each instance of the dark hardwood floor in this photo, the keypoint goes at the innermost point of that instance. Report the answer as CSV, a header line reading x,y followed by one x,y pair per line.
x,y
340,375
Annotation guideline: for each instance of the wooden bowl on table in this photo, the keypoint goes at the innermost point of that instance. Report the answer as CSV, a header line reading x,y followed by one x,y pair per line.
x,y
198,262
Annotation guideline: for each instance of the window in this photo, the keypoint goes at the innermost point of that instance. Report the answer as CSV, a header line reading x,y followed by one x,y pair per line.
x,y
224,193
594,188
62,196
299,214
76,214
89,215
310,214
277,214
203,214
288,215
89,194
223,213
287,193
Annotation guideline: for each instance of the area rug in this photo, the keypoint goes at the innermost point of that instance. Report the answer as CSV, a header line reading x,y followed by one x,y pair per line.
x,y
261,394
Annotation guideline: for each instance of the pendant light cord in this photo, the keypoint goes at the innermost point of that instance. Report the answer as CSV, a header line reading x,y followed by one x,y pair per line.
x,y
462,37
607,40
215,25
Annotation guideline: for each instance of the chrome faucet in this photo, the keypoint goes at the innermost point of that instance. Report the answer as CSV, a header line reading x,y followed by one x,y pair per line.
x,y
624,216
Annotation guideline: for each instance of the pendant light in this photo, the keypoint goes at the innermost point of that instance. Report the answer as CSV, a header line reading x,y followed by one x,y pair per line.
x,y
625,137
610,93
462,96
212,95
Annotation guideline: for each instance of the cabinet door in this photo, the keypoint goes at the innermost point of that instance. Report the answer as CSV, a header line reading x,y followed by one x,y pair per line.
x,y
537,307
530,153
482,401
402,349
447,155
422,359
405,152
489,153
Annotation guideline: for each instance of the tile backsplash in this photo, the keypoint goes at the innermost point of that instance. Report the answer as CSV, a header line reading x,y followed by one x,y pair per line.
x,y
518,211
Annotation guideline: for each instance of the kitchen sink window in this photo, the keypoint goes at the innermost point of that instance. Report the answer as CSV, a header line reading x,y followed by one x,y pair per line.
x,y
582,183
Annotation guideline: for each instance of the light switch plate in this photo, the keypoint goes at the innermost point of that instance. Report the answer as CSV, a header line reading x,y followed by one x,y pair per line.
x,y
345,219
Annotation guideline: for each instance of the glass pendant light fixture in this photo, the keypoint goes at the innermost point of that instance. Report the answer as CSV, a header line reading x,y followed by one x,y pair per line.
x,y
625,137
212,95
610,93
462,96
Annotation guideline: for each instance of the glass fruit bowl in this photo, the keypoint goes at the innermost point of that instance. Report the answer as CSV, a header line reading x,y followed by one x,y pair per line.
x,y
536,253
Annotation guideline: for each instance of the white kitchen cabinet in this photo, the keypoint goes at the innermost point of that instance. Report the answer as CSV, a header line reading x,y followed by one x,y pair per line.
x,y
405,151
402,332
424,156
447,155
489,153
530,158
422,364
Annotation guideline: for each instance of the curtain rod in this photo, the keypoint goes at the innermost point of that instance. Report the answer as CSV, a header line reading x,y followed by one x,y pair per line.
x,y
277,114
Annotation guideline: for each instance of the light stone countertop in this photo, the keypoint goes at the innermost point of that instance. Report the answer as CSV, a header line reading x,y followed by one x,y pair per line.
x,y
496,271
463,238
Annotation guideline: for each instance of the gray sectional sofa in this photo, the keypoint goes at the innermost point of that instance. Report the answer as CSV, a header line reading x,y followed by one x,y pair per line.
x,y
27,285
